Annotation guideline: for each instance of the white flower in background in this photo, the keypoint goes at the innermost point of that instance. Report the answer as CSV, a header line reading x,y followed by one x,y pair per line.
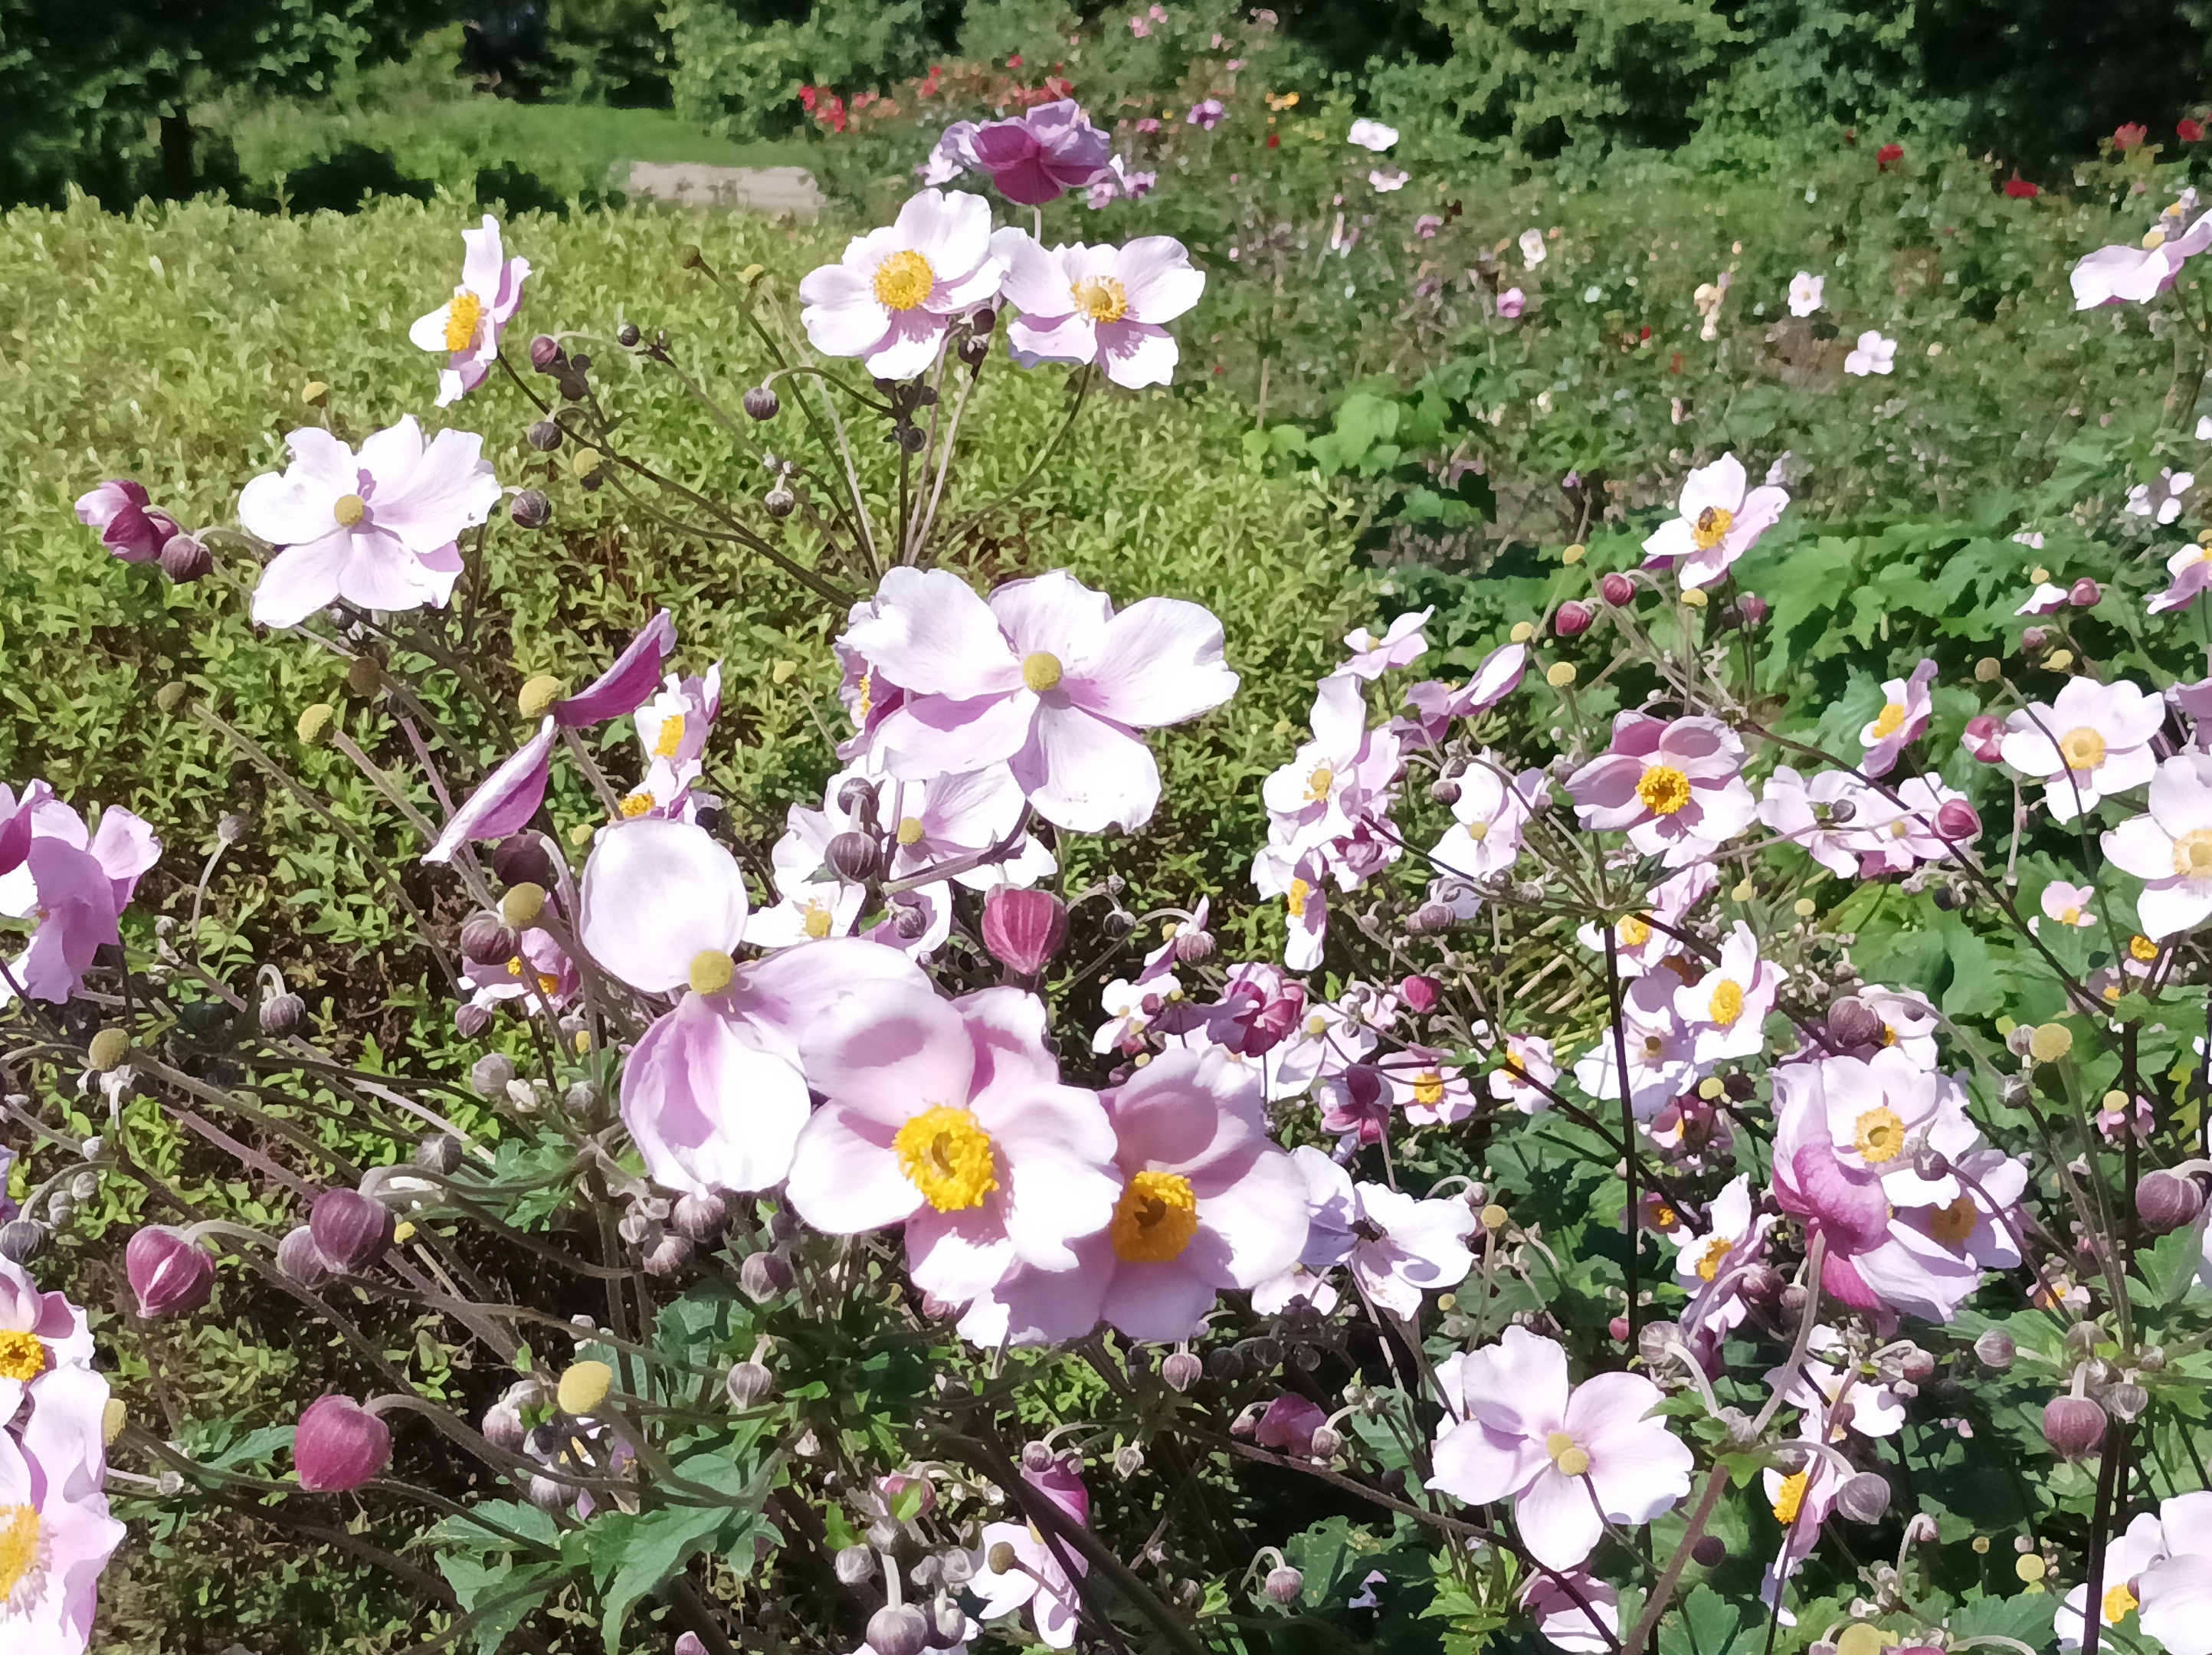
x,y
1532,248
2161,501
1388,178
1875,354
1807,292
1372,135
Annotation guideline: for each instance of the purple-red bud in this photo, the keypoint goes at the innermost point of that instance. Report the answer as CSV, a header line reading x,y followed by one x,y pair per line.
x,y
545,352
1420,993
298,1258
2166,1201
2074,1427
351,1230
2085,594
1572,619
1958,822
1284,1585
2034,638
1180,1370
1985,738
1023,929
1618,590
170,1276
339,1445
184,559
1752,607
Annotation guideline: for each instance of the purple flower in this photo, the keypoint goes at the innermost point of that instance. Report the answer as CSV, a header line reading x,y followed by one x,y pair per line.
x,y
1206,113
1103,305
1510,303
1032,159
73,882
130,528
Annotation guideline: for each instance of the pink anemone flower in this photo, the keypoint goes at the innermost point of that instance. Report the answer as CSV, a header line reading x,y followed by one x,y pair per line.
x,y
1032,159
1208,1202
74,884
1719,519
2136,275
2176,1591
1822,815
2190,569
1099,304
1402,643
1675,786
893,296
1038,1582
2128,1557
1582,1620
466,326
54,1505
1906,708
380,529
950,1118
1046,675
129,527
1436,705
2169,848
2092,740
1726,1009
40,1333
1570,1458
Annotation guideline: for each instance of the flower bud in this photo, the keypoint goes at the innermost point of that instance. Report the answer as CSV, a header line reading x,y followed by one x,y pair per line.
x,y
2074,1427
1863,1498
699,1217
900,1630
2085,594
280,1015
1753,608
440,1154
1710,1552
1958,822
1328,1443
544,352
1618,590
490,1076
1284,1585
486,940
21,1239
1180,1370
1852,1022
854,1564
545,435
502,1427
760,403
853,857
780,501
764,1276
1023,929
2128,1400
184,559
1983,738
668,1255
339,1445
547,1495
2034,638
748,1383
1572,619
948,1622
1420,993
627,336
530,509
170,1276
1192,947
300,1259
351,1229
2166,1201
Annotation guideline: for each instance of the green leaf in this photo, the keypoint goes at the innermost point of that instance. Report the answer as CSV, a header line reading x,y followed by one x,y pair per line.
x,y
497,1597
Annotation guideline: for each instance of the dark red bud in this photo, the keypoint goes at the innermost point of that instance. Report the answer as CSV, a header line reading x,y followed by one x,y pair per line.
x,y
170,1276
1958,822
1420,993
545,352
351,1229
1983,738
1572,619
339,1445
2085,594
1023,929
1618,590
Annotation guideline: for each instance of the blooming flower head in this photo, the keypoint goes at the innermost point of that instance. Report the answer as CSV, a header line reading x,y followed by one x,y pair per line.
x,y
1800,1492
2136,275
2175,1591
129,527
1032,159
1822,815
2161,501
40,1333
1371,135
672,728
1674,786
1402,642
1903,719
1662,1048
1875,355
893,296
1726,1009
2068,904
2092,740
2169,847
72,883
1099,304
1709,1266
1527,1073
466,326
2128,1558
1046,675
2190,569
1489,817
1806,293
1325,789
1570,1458
1575,1612
1039,1581
53,1514
1719,518
1533,251
377,529
951,1118
1436,705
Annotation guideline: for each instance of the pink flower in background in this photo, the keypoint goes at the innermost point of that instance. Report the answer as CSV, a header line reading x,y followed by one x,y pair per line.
x,y
2068,904
1032,159
1675,786
72,882
893,296
1288,1424
1662,1048
1709,1266
1371,135
673,728
1511,303
2190,569
2092,740
1489,817
1719,518
1436,705
1526,1074
1206,113
1726,1009
2169,848
130,527
1402,644
1099,304
2136,275
1208,1202
1045,676
1907,708
1327,787
1570,1458
466,326
2161,501
379,529
1583,1622
1807,292
950,1119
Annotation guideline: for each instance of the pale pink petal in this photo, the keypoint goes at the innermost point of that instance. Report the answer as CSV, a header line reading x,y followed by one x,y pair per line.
x,y
845,1176
707,1105
1137,354
1057,614
1155,271
656,895
1558,1521
1159,663
890,1058
449,489
931,634
301,580
505,800
1086,774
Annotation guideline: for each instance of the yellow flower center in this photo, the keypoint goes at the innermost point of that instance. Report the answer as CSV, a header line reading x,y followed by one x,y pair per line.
x,y
2119,1603
868,689
22,1356
1477,832
1952,1224
817,921
1428,1089
2154,240
670,737
547,984
2072,916
1712,526
1155,1219
349,510
910,830
904,280
19,1546
1889,721
948,1157
1041,670
1709,1262
1790,1497
1663,789
1568,1456
2192,854
1102,298
2141,948
711,971
461,318
1634,930
1728,1003
636,804
1294,899
1880,1137
1319,783
2083,748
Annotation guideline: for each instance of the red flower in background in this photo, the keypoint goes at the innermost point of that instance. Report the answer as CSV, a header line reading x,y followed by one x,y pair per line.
x,y
1014,62
806,98
2020,189
2129,136
1275,140
2192,131
1887,153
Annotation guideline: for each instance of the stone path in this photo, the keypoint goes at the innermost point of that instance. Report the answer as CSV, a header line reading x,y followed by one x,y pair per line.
x,y
774,190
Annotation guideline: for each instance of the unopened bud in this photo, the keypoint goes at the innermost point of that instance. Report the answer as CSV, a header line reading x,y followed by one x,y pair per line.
x,y
1572,619
440,1154
2085,594
1192,947
1852,1022
1958,822
544,352
486,940
280,1015
21,1239
748,1383
1284,1585
502,1427
1180,1370
764,1276
668,1255
854,1564
699,1216
627,336
2127,1400
184,559
780,501
530,509
2074,1427
1419,993
2034,638
1326,1444
1863,1498
853,857
545,435
2166,1201
1023,929
1710,1552
490,1076
1618,590
760,403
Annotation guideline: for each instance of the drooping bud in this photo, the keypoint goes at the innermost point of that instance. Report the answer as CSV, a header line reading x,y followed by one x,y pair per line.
x,y
490,1076
530,509
1571,618
282,1015
1958,822
853,857
339,1445
545,435
748,1383
780,501
1180,1370
699,1217
1421,994
1326,1444
352,1229
1753,608
2074,1427
502,1427
486,940
21,1239
1023,929
627,336
1284,1585
440,1154
1618,590
900,1630
547,1495
762,402
2128,1400
2166,1201
545,352
300,1259
1193,946
1852,1022
2034,638
1863,1498
2085,594
522,859
471,1020
1709,1551
854,1564
764,1276
170,1276
184,559
1983,740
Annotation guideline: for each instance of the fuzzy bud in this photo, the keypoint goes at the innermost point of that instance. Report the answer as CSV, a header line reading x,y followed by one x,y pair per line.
x,y
1852,1022
853,857
184,559
854,1564
1863,1498
1180,1371
699,1217
2085,594
668,1255
502,1427
545,353
2166,1201
491,1075
1023,929
486,940
1572,619
748,1383
1709,1551
530,509
545,435
170,1276
20,1239
1618,590
762,402
764,1276
1328,1443
280,1015
1284,1585
339,1445
300,1259
1421,994
2074,1427
903,1630
352,1229
1958,822
1753,608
